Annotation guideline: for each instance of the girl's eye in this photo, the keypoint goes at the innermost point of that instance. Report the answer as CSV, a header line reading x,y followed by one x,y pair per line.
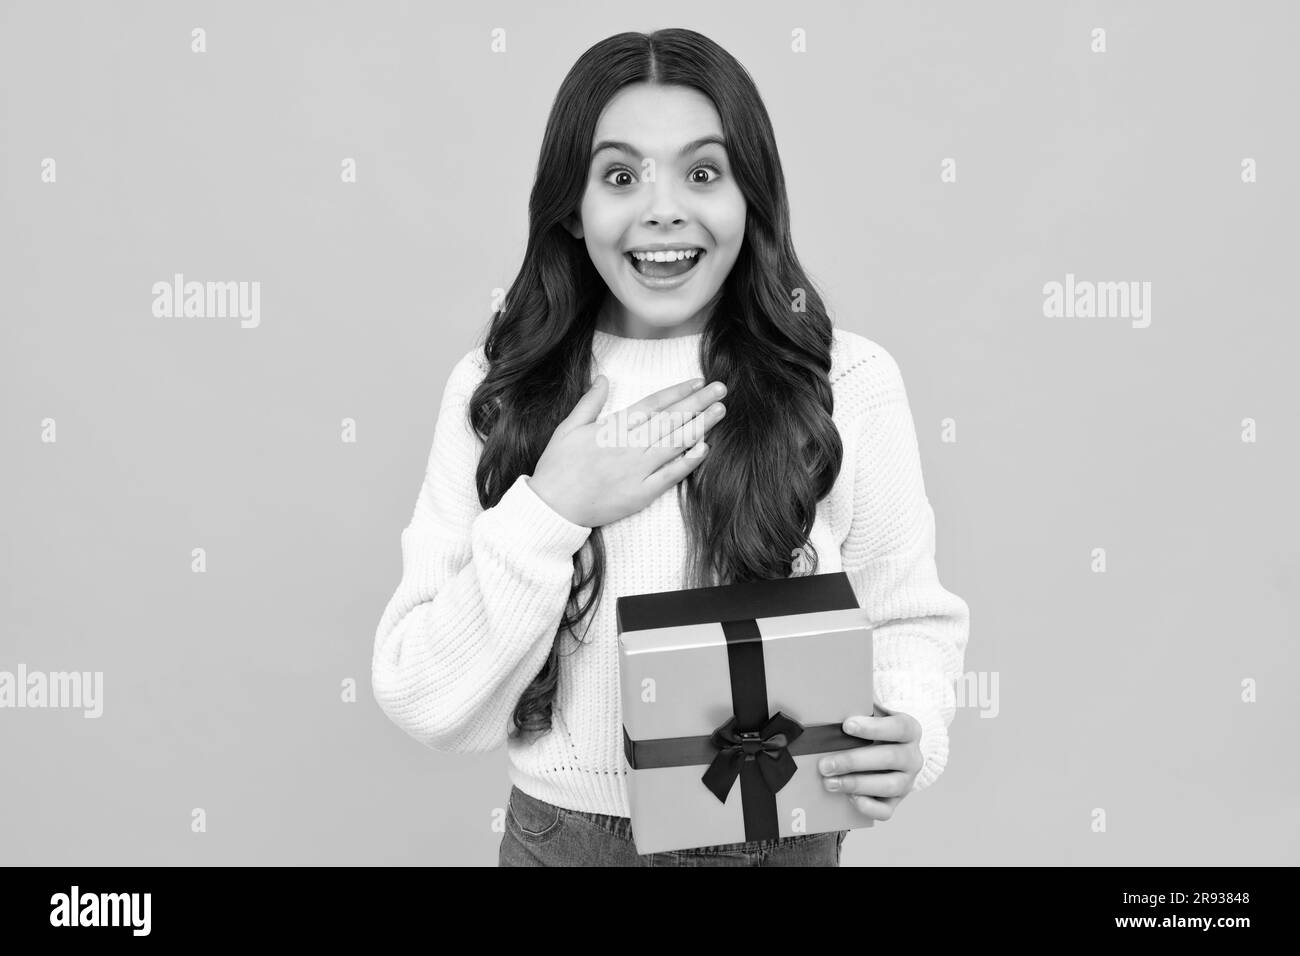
x,y
621,171
632,177
716,172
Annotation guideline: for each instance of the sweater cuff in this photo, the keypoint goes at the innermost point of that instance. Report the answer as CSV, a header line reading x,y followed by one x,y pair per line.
x,y
532,518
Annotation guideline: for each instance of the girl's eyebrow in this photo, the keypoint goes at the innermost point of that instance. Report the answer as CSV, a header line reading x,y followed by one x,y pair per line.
x,y
690,147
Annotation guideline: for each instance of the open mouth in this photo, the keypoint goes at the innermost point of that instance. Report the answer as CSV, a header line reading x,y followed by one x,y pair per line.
x,y
665,266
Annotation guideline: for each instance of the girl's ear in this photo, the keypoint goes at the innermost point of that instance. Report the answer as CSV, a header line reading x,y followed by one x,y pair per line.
x,y
574,225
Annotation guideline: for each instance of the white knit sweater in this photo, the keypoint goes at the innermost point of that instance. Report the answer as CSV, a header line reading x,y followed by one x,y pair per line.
x,y
482,592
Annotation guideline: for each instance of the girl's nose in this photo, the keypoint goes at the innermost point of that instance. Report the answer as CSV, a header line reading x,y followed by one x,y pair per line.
x,y
654,220
665,203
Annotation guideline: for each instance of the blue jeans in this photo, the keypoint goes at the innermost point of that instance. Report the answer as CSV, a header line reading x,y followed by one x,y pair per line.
x,y
541,834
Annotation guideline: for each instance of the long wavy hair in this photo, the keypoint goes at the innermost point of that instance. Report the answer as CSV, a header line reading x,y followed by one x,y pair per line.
x,y
749,506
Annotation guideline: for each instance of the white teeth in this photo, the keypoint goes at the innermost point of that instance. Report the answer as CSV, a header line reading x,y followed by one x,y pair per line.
x,y
671,256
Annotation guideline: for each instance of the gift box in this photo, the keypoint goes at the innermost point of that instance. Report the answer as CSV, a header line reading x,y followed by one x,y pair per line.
x,y
730,696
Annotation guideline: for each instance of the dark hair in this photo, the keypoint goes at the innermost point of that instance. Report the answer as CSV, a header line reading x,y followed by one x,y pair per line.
x,y
752,502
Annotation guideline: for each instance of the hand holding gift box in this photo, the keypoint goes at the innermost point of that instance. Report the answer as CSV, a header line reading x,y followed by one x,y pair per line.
x,y
877,777
730,698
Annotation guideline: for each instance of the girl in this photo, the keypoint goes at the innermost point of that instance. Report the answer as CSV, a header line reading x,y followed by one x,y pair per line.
x,y
658,277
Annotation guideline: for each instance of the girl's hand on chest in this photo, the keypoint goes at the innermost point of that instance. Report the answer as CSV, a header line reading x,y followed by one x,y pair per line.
x,y
596,470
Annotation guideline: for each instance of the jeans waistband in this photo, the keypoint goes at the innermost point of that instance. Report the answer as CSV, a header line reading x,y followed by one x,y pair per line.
x,y
622,828
619,826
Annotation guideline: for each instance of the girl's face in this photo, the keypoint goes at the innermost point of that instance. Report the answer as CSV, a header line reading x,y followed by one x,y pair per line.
x,y
659,176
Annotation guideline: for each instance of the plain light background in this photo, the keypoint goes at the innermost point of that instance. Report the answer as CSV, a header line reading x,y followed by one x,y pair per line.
x,y
1120,691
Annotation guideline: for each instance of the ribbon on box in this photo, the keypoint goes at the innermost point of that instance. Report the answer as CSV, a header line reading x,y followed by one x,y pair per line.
x,y
757,747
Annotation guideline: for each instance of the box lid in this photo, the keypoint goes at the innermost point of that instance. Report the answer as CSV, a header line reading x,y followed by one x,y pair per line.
x,y
748,600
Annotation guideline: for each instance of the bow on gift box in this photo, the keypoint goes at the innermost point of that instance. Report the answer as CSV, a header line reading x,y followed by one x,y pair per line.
x,y
769,747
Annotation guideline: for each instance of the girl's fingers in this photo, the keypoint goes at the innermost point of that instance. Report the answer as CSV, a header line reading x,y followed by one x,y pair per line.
x,y
884,784
670,431
642,429
867,759
689,433
674,427
662,400
900,727
876,808
677,469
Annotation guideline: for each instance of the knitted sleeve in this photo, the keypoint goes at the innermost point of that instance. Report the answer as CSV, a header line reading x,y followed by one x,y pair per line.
x,y
921,628
481,593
